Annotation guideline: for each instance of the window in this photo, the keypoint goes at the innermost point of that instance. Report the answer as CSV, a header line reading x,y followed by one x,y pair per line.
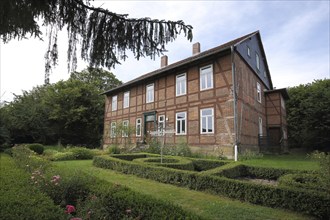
x,y
114,103
161,124
265,74
125,129
126,99
258,92
206,77
258,61
248,51
138,127
113,130
150,93
181,123
207,121
181,84
260,126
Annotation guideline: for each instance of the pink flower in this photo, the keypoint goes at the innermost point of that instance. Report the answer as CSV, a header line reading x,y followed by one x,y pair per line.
x,y
70,209
75,218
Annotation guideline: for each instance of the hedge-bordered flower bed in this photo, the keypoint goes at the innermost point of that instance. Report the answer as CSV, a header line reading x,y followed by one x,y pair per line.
x,y
308,202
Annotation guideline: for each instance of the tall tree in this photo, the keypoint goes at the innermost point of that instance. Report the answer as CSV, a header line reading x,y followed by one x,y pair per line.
x,y
105,36
309,115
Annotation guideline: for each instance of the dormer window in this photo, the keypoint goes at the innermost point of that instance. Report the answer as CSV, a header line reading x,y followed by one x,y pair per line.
x,y
248,51
258,61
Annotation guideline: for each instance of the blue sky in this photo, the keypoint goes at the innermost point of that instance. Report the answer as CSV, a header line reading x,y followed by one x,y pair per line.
x,y
295,36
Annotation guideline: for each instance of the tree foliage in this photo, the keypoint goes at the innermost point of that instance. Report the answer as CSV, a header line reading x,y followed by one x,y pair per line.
x,y
105,37
67,112
308,112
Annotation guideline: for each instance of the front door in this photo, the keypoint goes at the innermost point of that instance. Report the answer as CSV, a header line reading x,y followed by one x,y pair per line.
x,y
149,125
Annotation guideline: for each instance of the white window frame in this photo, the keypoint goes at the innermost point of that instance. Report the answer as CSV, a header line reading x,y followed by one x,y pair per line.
x,y
150,93
206,117
182,122
161,125
258,92
126,99
258,61
113,126
181,84
125,128
260,130
138,127
248,51
114,103
206,75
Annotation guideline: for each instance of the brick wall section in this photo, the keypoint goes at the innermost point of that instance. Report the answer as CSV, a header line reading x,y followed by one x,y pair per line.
x,y
249,109
166,103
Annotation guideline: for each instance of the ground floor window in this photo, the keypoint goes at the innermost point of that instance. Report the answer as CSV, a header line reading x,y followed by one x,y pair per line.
x,y
181,123
113,130
125,128
207,121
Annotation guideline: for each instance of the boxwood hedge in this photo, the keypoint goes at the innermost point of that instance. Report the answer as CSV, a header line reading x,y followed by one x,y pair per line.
x,y
308,202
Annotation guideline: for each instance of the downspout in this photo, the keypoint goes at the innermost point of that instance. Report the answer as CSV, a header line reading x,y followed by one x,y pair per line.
x,y
235,104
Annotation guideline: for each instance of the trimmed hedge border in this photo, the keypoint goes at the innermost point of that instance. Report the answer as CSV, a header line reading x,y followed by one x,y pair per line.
x,y
168,161
300,200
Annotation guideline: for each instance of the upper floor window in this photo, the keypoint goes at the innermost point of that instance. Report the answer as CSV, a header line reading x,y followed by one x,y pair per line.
x,y
248,51
150,93
206,77
125,128
138,127
126,99
181,123
207,121
114,103
258,61
258,92
181,84
113,129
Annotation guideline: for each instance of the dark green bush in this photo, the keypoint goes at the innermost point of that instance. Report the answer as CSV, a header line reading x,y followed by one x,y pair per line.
x,y
312,203
19,199
308,181
206,164
130,157
114,149
38,148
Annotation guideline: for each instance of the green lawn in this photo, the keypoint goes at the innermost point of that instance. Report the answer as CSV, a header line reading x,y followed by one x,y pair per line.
x,y
204,204
296,162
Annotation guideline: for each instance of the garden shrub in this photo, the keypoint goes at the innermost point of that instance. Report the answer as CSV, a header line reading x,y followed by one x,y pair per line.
x,y
114,149
308,181
206,164
38,148
312,203
19,199
130,157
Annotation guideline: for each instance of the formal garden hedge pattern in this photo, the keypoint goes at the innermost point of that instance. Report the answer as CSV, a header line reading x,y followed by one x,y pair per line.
x,y
216,180
84,196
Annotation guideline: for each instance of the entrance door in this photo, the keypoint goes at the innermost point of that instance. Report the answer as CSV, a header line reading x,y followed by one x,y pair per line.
x,y
149,125
274,136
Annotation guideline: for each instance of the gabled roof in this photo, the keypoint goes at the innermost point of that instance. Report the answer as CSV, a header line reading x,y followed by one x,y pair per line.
x,y
200,56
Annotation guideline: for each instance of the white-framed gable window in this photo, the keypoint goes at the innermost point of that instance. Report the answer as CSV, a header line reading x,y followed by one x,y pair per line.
x,y
206,77
114,103
181,123
150,93
258,92
125,129
161,125
126,100
113,129
138,127
258,61
248,51
207,121
181,84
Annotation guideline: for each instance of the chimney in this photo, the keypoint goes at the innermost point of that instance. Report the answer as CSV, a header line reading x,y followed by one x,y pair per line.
x,y
196,48
163,61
